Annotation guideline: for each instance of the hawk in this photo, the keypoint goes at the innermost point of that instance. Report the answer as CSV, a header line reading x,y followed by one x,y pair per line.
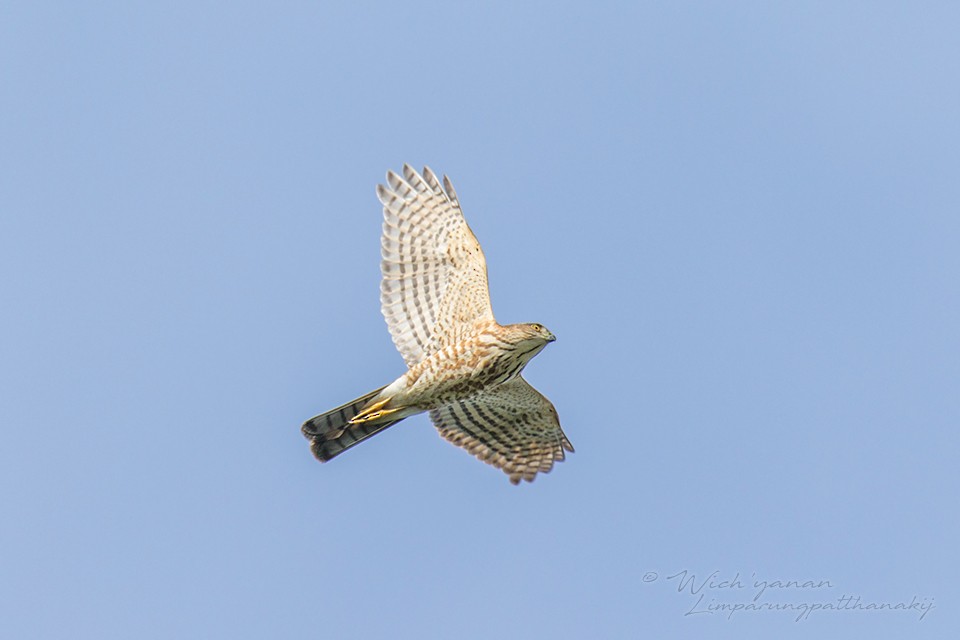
x,y
463,367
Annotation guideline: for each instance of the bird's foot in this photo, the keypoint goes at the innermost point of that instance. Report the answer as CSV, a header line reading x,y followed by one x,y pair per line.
x,y
374,412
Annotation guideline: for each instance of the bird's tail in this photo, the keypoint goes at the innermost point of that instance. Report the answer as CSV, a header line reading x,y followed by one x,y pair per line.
x,y
331,433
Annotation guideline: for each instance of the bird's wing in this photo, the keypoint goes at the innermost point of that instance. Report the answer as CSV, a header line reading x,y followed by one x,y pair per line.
x,y
434,288
511,426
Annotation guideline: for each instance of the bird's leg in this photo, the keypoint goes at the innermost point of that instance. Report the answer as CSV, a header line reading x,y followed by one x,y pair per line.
x,y
374,412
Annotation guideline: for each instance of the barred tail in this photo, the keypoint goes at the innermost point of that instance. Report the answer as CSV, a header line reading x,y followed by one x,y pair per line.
x,y
331,433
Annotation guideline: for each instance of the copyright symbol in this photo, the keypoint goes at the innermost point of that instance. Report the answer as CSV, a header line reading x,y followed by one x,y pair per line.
x,y
650,576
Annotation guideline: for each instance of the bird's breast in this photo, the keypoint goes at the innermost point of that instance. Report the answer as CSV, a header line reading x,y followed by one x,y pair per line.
x,y
459,371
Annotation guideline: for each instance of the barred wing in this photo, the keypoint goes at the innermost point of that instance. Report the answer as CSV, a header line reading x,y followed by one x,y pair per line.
x,y
434,287
511,426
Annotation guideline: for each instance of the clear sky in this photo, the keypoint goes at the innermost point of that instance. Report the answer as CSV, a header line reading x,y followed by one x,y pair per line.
x,y
741,220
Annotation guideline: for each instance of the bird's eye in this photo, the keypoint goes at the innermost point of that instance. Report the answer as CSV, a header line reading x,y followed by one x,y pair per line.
x,y
538,327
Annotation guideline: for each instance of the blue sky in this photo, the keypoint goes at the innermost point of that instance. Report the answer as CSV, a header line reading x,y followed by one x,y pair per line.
x,y
741,222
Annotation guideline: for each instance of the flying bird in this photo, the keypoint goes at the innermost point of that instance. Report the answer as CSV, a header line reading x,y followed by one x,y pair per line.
x,y
463,367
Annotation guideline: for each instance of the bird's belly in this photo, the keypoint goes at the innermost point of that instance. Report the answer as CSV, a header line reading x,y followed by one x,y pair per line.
x,y
438,380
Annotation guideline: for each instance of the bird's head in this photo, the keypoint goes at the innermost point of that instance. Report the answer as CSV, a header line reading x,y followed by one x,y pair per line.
x,y
531,336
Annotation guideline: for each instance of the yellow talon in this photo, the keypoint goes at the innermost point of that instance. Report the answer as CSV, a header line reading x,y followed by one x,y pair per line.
x,y
373,412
